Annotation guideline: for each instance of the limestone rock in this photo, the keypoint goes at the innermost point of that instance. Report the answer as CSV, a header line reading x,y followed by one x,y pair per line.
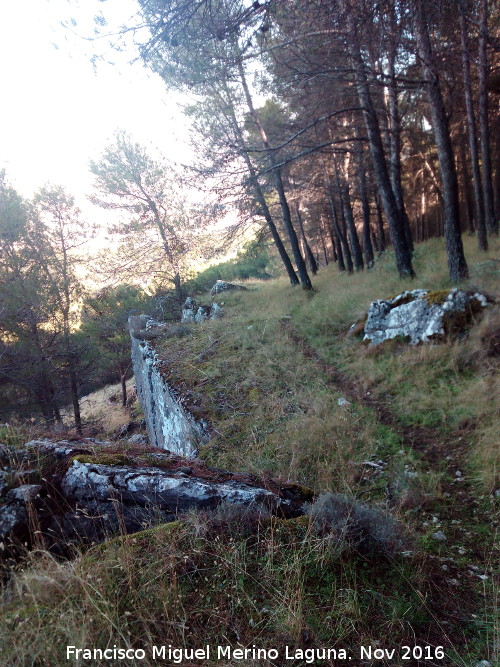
x,y
63,449
439,536
138,439
192,312
420,316
144,327
13,520
151,486
3,483
223,286
25,493
111,499
169,424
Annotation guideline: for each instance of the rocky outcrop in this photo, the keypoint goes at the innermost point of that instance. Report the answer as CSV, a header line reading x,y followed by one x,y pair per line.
x,y
169,424
223,286
192,312
127,499
89,493
421,316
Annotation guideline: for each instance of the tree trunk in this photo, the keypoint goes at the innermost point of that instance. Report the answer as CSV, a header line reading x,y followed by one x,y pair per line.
x,y
323,244
489,205
55,405
380,227
123,382
345,200
396,228
307,248
367,243
178,290
331,236
287,218
468,214
338,255
471,127
259,195
294,242
74,399
343,250
395,130
451,212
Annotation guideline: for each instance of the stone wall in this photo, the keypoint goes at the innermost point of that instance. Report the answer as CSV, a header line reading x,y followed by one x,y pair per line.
x,y
169,424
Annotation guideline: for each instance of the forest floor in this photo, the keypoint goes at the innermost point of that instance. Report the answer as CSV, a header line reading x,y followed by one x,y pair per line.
x,y
102,408
409,433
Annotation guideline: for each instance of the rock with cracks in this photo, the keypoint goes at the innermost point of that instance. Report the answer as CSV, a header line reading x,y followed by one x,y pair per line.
x,y
112,499
223,286
88,493
192,312
420,316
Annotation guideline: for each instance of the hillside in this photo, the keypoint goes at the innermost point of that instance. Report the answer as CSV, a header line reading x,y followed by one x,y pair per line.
x,y
407,434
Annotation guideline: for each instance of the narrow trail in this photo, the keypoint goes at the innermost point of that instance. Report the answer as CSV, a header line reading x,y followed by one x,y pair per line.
x,y
431,444
462,568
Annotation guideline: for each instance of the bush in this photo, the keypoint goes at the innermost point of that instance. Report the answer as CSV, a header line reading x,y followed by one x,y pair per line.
x,y
252,262
354,525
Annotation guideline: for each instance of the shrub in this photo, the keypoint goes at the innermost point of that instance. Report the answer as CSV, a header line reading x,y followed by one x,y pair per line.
x,y
354,525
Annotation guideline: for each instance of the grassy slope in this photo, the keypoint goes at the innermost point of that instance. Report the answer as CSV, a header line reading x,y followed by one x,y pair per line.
x,y
274,410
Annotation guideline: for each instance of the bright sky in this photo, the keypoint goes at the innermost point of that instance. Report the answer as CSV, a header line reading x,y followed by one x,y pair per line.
x,y
57,112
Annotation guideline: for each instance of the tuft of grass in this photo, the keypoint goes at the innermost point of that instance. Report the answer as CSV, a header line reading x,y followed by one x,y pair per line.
x,y
214,579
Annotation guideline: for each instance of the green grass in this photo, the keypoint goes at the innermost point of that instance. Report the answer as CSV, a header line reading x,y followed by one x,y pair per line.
x,y
183,585
273,411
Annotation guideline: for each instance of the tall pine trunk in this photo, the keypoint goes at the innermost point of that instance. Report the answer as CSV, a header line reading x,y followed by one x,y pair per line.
x,y
392,212
489,205
395,129
471,127
345,202
307,248
451,210
259,195
367,242
287,218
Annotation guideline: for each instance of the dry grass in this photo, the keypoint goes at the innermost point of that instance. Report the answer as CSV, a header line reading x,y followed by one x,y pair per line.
x,y
446,386
270,582
99,409
213,579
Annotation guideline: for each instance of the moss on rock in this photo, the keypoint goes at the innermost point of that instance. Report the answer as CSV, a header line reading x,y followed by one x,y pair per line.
x,y
437,297
104,459
134,543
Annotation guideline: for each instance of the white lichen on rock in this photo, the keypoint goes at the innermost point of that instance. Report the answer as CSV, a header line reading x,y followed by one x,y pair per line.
x,y
169,425
420,315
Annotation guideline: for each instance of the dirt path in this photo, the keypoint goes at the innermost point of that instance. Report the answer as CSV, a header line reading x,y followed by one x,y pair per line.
x,y
431,444
466,561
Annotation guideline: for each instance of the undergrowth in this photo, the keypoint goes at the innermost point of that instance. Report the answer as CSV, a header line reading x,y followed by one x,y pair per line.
x,y
232,579
272,411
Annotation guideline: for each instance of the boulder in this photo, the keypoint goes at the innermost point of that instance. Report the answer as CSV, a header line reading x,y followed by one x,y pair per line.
x,y
61,450
138,439
110,499
4,486
13,520
98,494
192,312
143,327
169,490
223,286
25,493
420,316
